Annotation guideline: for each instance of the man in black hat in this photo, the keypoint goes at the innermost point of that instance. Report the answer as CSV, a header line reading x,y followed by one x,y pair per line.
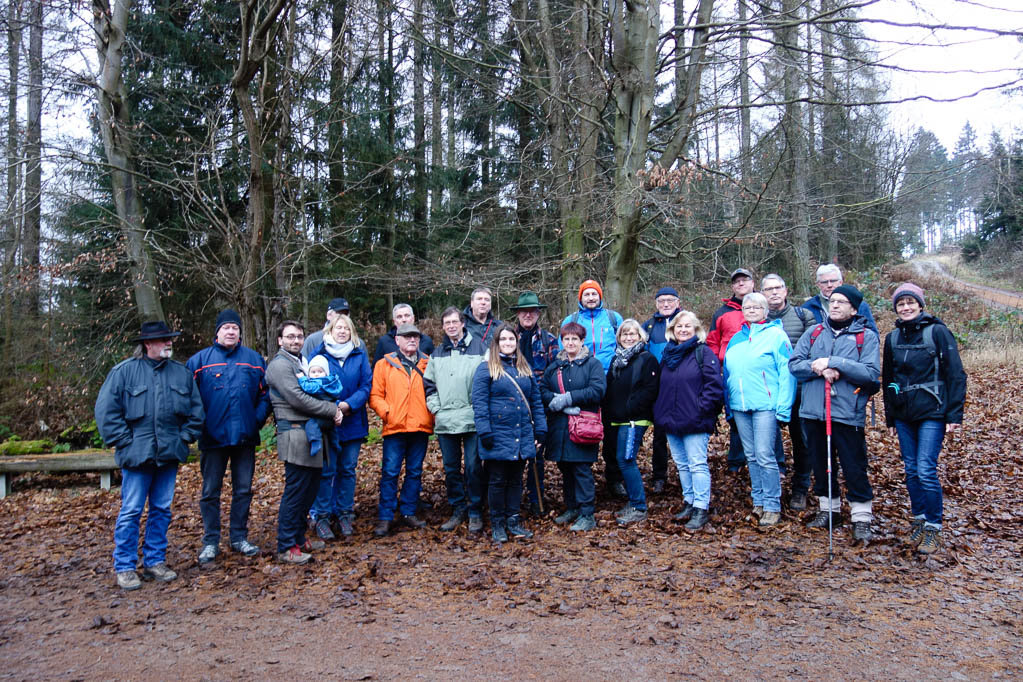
x,y
149,410
539,346
337,306
232,383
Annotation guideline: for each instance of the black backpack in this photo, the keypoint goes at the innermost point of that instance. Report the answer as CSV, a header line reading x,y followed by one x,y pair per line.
x,y
934,386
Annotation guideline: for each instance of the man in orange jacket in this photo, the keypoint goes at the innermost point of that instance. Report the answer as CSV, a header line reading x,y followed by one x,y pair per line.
x,y
399,397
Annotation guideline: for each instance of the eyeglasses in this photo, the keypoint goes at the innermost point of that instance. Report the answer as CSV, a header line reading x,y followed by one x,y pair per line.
x,y
293,337
768,290
753,307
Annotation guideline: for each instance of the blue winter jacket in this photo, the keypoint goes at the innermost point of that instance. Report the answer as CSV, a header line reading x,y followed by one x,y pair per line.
x,y
858,369
232,384
501,412
601,325
149,412
757,376
816,306
690,396
356,381
655,328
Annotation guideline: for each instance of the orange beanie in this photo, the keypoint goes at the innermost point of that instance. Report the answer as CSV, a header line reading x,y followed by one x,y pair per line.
x,y
590,284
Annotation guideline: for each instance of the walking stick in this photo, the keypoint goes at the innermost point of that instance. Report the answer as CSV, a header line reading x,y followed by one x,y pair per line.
x,y
536,478
827,426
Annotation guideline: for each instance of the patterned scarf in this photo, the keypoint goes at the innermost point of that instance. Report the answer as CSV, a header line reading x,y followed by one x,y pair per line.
x,y
623,355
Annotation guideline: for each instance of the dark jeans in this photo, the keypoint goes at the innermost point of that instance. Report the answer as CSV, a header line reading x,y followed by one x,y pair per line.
x,y
336,493
578,484
213,465
920,444
659,461
504,489
609,451
849,447
408,449
465,489
300,487
801,464
629,467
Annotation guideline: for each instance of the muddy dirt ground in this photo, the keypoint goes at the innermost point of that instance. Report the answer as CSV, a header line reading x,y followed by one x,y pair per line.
x,y
645,602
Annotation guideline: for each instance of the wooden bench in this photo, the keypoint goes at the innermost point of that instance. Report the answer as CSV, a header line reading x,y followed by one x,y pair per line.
x,y
91,460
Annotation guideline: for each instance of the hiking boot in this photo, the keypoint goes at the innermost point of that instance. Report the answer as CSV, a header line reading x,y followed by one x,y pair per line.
x,y
820,520
632,516
323,530
294,556
413,521
567,516
916,532
382,529
861,531
498,533
128,580
769,518
244,547
619,491
208,555
313,545
583,523
515,528
456,520
335,524
344,526
657,486
475,524
698,520
624,510
686,513
159,572
797,502
930,541
758,512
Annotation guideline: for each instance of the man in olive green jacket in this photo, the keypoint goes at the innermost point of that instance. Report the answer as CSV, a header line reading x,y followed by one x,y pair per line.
x,y
448,382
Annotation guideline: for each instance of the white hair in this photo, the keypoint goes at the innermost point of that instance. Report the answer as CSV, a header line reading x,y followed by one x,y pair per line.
x,y
399,306
828,269
773,276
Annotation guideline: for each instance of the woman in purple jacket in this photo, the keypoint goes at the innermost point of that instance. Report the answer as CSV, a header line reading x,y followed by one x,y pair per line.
x,y
687,407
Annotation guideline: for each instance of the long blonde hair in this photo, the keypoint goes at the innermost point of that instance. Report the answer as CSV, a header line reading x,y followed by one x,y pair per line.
x,y
494,364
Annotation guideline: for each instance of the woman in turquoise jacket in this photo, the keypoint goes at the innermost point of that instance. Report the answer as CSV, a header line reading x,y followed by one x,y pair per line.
x,y
760,391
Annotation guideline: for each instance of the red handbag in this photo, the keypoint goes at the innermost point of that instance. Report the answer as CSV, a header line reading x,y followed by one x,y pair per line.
x,y
585,428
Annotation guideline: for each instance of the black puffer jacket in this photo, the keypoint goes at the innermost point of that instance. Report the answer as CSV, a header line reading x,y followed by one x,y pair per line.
x,y
908,367
584,379
632,391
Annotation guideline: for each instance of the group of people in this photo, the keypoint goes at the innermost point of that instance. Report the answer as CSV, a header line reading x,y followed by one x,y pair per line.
x,y
502,399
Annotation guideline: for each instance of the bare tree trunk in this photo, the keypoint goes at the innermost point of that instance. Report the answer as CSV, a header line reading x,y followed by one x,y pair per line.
x,y
419,180
116,129
12,209
335,126
33,159
436,116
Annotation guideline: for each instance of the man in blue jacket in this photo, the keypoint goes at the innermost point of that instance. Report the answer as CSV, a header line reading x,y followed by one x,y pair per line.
x,y
829,278
668,305
232,382
149,410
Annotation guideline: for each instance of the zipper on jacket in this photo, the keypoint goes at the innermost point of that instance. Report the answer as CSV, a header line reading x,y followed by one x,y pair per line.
x,y
742,395
766,387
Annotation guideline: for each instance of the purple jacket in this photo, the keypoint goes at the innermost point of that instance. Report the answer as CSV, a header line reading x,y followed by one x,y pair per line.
x,y
690,396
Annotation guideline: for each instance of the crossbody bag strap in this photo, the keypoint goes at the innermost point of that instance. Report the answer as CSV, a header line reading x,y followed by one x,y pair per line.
x,y
524,398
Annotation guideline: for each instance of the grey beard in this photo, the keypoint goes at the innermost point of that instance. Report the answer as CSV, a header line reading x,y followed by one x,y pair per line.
x,y
167,353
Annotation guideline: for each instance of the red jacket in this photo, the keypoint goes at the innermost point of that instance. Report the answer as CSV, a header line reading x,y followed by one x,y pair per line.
x,y
726,321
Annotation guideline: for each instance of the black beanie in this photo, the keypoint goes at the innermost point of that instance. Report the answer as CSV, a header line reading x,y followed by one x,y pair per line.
x,y
852,293
225,317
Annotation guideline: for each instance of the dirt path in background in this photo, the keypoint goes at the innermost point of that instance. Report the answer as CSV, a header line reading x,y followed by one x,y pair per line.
x,y
999,298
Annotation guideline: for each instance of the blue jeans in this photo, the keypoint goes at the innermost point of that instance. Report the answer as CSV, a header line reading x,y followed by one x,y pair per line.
x,y
410,449
213,465
630,469
465,490
155,483
690,455
336,494
920,443
757,430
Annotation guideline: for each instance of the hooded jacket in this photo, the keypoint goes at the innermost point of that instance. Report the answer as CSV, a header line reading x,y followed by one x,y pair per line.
x,y
691,395
909,367
859,371
501,412
448,381
726,321
757,376
232,383
356,382
399,396
481,330
584,379
601,325
149,411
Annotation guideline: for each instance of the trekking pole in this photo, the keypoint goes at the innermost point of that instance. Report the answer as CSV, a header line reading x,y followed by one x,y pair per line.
x,y
827,427
536,478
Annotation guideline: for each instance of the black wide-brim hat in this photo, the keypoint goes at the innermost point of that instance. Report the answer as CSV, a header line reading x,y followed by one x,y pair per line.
x,y
155,330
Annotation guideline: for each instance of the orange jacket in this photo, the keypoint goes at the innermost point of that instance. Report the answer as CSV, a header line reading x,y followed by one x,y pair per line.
x,y
400,399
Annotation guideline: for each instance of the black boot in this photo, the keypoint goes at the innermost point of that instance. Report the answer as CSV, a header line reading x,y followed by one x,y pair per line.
x,y
820,520
516,529
698,520
497,532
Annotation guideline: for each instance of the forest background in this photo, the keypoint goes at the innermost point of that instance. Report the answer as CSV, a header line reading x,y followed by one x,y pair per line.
x,y
168,159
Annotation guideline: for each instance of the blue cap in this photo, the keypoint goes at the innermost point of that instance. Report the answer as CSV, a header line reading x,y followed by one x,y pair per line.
x,y
666,291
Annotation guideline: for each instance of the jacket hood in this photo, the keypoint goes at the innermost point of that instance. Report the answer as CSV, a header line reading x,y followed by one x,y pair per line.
x,y
918,322
463,342
732,303
584,353
858,324
467,311
593,312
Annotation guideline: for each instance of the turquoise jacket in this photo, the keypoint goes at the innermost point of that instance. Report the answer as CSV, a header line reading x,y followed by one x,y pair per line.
x,y
601,326
757,376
